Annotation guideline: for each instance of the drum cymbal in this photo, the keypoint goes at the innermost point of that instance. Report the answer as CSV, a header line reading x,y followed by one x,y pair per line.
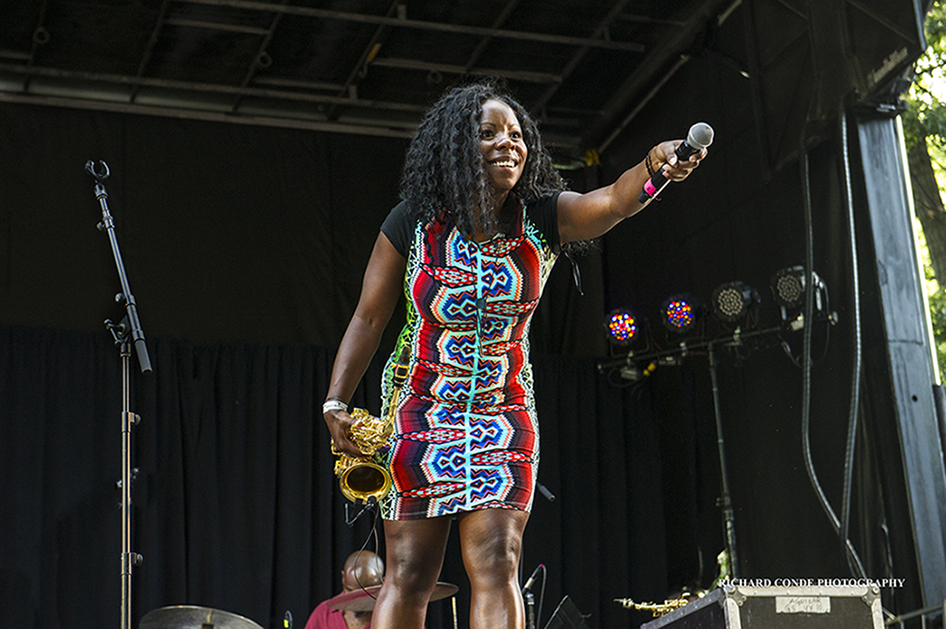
x,y
192,617
363,600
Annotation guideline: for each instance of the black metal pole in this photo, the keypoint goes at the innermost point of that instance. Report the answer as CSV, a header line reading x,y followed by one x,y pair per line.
x,y
125,333
530,610
129,419
729,518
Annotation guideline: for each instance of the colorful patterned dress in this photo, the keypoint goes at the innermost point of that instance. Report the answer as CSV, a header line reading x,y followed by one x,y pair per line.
x,y
466,435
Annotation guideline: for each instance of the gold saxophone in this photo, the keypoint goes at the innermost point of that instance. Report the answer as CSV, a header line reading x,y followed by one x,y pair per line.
x,y
658,609
361,477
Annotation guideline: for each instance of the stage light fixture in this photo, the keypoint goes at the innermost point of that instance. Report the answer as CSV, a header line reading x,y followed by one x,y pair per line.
x,y
622,327
732,301
680,313
788,286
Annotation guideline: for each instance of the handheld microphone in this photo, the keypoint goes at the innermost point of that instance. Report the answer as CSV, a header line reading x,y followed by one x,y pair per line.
x,y
699,137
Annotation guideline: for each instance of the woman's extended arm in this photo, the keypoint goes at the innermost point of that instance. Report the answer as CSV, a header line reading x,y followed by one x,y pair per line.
x,y
589,215
379,293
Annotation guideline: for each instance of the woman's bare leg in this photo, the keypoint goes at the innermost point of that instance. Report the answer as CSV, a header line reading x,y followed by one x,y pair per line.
x,y
414,557
491,540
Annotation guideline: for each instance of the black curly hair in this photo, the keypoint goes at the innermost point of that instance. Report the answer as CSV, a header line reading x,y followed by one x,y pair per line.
x,y
444,171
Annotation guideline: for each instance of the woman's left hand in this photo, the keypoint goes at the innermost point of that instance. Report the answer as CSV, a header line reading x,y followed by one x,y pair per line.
x,y
674,170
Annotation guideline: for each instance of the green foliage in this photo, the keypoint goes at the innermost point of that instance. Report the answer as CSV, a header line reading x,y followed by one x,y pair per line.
x,y
938,317
926,113
926,118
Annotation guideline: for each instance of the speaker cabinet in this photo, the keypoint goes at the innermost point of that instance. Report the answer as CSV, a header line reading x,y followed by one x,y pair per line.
x,y
778,608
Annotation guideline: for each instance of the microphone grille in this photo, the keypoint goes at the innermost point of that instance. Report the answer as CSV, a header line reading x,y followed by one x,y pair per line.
x,y
700,135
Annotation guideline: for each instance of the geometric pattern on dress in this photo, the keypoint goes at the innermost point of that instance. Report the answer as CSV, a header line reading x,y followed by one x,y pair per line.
x,y
489,432
445,460
452,277
498,457
436,489
438,435
465,428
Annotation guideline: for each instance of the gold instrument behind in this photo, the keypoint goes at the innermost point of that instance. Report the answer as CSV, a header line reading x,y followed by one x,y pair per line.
x,y
661,609
360,477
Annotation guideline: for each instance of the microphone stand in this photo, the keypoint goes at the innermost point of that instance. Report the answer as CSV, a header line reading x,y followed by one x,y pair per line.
x,y
530,609
125,333
725,501
529,598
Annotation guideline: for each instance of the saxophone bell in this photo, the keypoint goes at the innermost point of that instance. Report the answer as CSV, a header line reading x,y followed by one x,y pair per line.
x,y
363,478
364,481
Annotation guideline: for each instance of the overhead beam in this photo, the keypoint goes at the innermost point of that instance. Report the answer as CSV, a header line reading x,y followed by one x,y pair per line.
x,y
650,71
216,26
600,31
152,43
209,88
413,64
460,29
474,58
262,58
210,116
374,127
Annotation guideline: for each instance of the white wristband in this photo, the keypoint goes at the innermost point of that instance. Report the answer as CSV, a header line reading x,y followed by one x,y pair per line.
x,y
334,405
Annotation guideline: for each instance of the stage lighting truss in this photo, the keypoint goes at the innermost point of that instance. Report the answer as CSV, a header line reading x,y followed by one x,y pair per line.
x,y
734,302
788,289
681,313
623,327
736,305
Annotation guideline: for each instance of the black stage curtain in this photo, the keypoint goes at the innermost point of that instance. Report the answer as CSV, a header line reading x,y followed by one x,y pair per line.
x,y
228,232
235,503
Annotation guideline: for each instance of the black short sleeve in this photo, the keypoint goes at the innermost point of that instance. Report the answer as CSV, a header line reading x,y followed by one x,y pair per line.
x,y
399,228
544,215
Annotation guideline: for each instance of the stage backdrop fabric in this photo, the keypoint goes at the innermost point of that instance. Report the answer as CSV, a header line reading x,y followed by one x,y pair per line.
x,y
235,503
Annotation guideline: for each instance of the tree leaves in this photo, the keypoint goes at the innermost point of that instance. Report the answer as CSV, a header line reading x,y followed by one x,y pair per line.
x,y
924,122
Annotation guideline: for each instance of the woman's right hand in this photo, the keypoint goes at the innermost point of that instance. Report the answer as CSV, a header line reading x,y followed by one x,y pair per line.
x,y
339,424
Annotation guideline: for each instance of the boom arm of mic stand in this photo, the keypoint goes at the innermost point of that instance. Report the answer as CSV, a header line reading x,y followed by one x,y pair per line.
x,y
131,308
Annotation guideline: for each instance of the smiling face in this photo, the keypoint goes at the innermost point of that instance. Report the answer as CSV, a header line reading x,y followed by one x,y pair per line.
x,y
503,147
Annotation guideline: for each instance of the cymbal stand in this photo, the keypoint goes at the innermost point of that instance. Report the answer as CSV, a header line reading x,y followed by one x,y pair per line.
x,y
125,333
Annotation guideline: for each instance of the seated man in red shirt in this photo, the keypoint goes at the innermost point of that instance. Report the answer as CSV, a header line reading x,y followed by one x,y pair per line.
x,y
363,569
